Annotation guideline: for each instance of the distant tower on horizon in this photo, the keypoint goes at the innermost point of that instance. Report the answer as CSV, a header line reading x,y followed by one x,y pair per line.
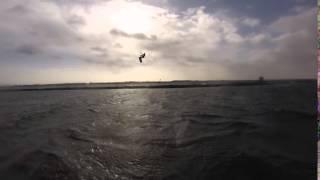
x,y
261,79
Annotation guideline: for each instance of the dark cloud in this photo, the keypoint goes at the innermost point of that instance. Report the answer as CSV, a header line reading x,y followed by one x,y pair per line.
x,y
139,36
99,49
75,20
164,45
20,9
117,45
113,64
28,49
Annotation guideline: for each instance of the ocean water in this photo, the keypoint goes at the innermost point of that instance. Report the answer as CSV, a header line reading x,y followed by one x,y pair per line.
x,y
227,132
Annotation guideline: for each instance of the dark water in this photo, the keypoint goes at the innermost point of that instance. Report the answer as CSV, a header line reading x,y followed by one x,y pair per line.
x,y
221,133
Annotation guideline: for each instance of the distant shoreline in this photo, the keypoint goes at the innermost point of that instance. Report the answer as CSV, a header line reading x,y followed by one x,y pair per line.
x,y
147,85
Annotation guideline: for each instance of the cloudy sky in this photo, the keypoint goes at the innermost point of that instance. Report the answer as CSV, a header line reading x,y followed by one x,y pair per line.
x,y
58,41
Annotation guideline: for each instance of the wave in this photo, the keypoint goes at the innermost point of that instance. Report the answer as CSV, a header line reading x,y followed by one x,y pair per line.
x,y
174,143
76,134
203,115
41,165
217,121
248,167
295,114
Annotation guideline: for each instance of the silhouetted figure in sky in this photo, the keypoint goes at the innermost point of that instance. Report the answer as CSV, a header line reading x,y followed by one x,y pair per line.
x,y
142,56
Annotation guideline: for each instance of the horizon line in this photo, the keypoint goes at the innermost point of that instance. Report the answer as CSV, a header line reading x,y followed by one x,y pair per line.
x,y
161,81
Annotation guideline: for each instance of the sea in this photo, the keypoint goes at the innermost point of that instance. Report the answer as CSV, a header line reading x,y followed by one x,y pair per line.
x,y
196,131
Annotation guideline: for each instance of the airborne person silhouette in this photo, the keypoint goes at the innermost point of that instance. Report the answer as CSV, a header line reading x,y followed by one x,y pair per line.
x,y
142,56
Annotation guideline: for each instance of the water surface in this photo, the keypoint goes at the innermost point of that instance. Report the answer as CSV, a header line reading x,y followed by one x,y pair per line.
x,y
226,132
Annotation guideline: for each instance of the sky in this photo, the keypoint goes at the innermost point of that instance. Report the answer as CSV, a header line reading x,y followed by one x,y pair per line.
x,y
58,41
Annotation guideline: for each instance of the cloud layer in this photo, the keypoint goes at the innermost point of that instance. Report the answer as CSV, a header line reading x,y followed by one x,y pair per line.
x,y
101,40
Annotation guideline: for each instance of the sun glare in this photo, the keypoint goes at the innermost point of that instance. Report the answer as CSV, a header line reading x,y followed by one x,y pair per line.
x,y
131,19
